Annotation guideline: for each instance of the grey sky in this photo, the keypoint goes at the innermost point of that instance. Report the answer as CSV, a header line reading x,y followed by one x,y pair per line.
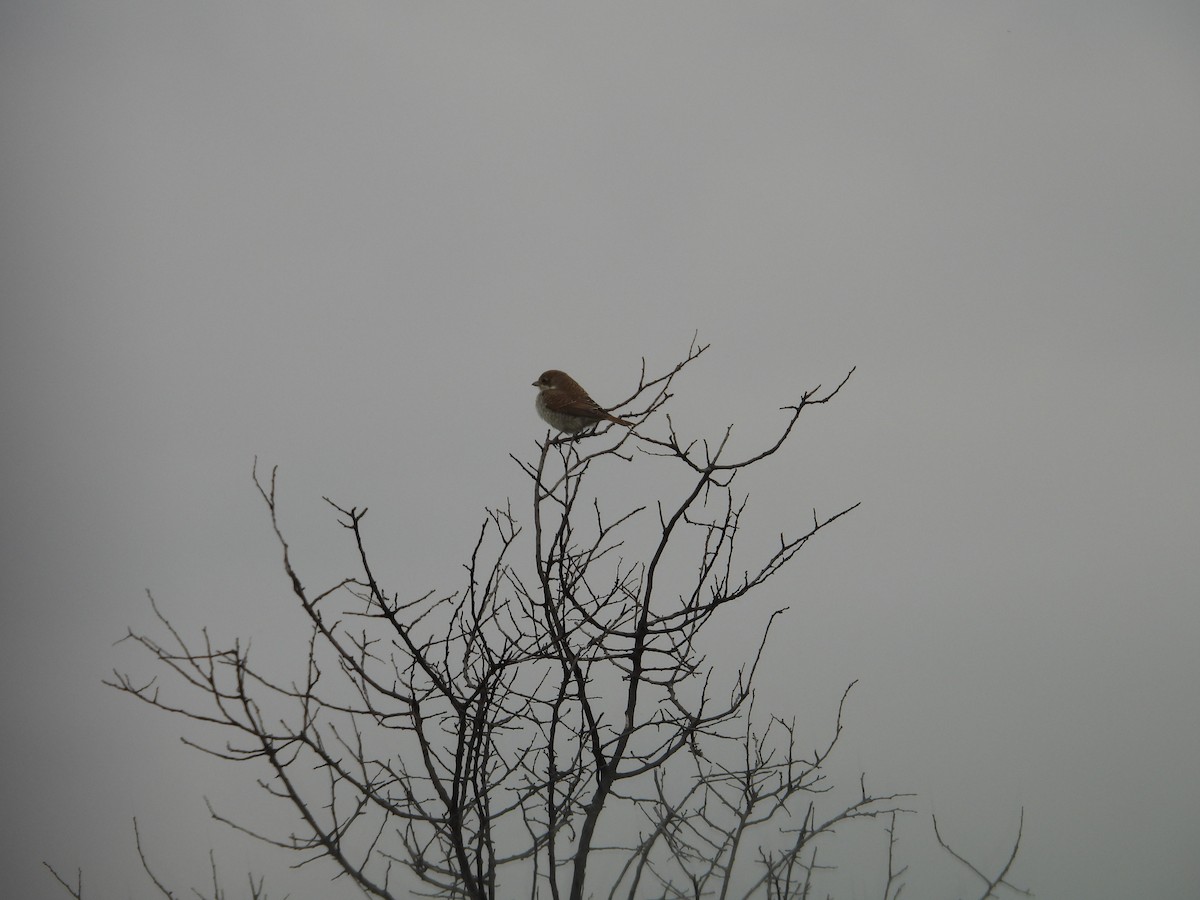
x,y
345,238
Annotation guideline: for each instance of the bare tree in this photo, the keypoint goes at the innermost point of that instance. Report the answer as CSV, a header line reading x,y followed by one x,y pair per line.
x,y
550,730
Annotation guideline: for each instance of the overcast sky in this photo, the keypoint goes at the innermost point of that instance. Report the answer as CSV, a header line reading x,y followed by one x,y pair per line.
x,y
344,238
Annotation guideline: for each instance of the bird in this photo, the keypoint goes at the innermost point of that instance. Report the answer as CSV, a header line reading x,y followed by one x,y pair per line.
x,y
566,406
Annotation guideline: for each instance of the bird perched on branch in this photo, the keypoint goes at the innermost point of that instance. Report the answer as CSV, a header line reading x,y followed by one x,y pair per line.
x,y
567,406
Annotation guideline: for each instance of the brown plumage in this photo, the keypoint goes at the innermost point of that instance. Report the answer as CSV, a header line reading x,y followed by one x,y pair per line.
x,y
566,406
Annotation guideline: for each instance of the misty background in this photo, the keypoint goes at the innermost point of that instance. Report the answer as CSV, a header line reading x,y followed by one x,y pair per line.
x,y
344,239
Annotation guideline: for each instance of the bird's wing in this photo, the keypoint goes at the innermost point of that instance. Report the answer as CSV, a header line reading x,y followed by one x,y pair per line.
x,y
584,407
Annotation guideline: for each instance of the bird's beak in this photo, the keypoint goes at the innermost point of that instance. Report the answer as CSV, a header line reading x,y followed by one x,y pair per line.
x,y
533,384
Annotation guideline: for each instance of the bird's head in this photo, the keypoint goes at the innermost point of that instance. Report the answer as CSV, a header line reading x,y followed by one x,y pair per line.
x,y
552,379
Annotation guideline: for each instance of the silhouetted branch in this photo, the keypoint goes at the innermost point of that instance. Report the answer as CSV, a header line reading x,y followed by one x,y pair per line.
x,y
75,891
991,883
